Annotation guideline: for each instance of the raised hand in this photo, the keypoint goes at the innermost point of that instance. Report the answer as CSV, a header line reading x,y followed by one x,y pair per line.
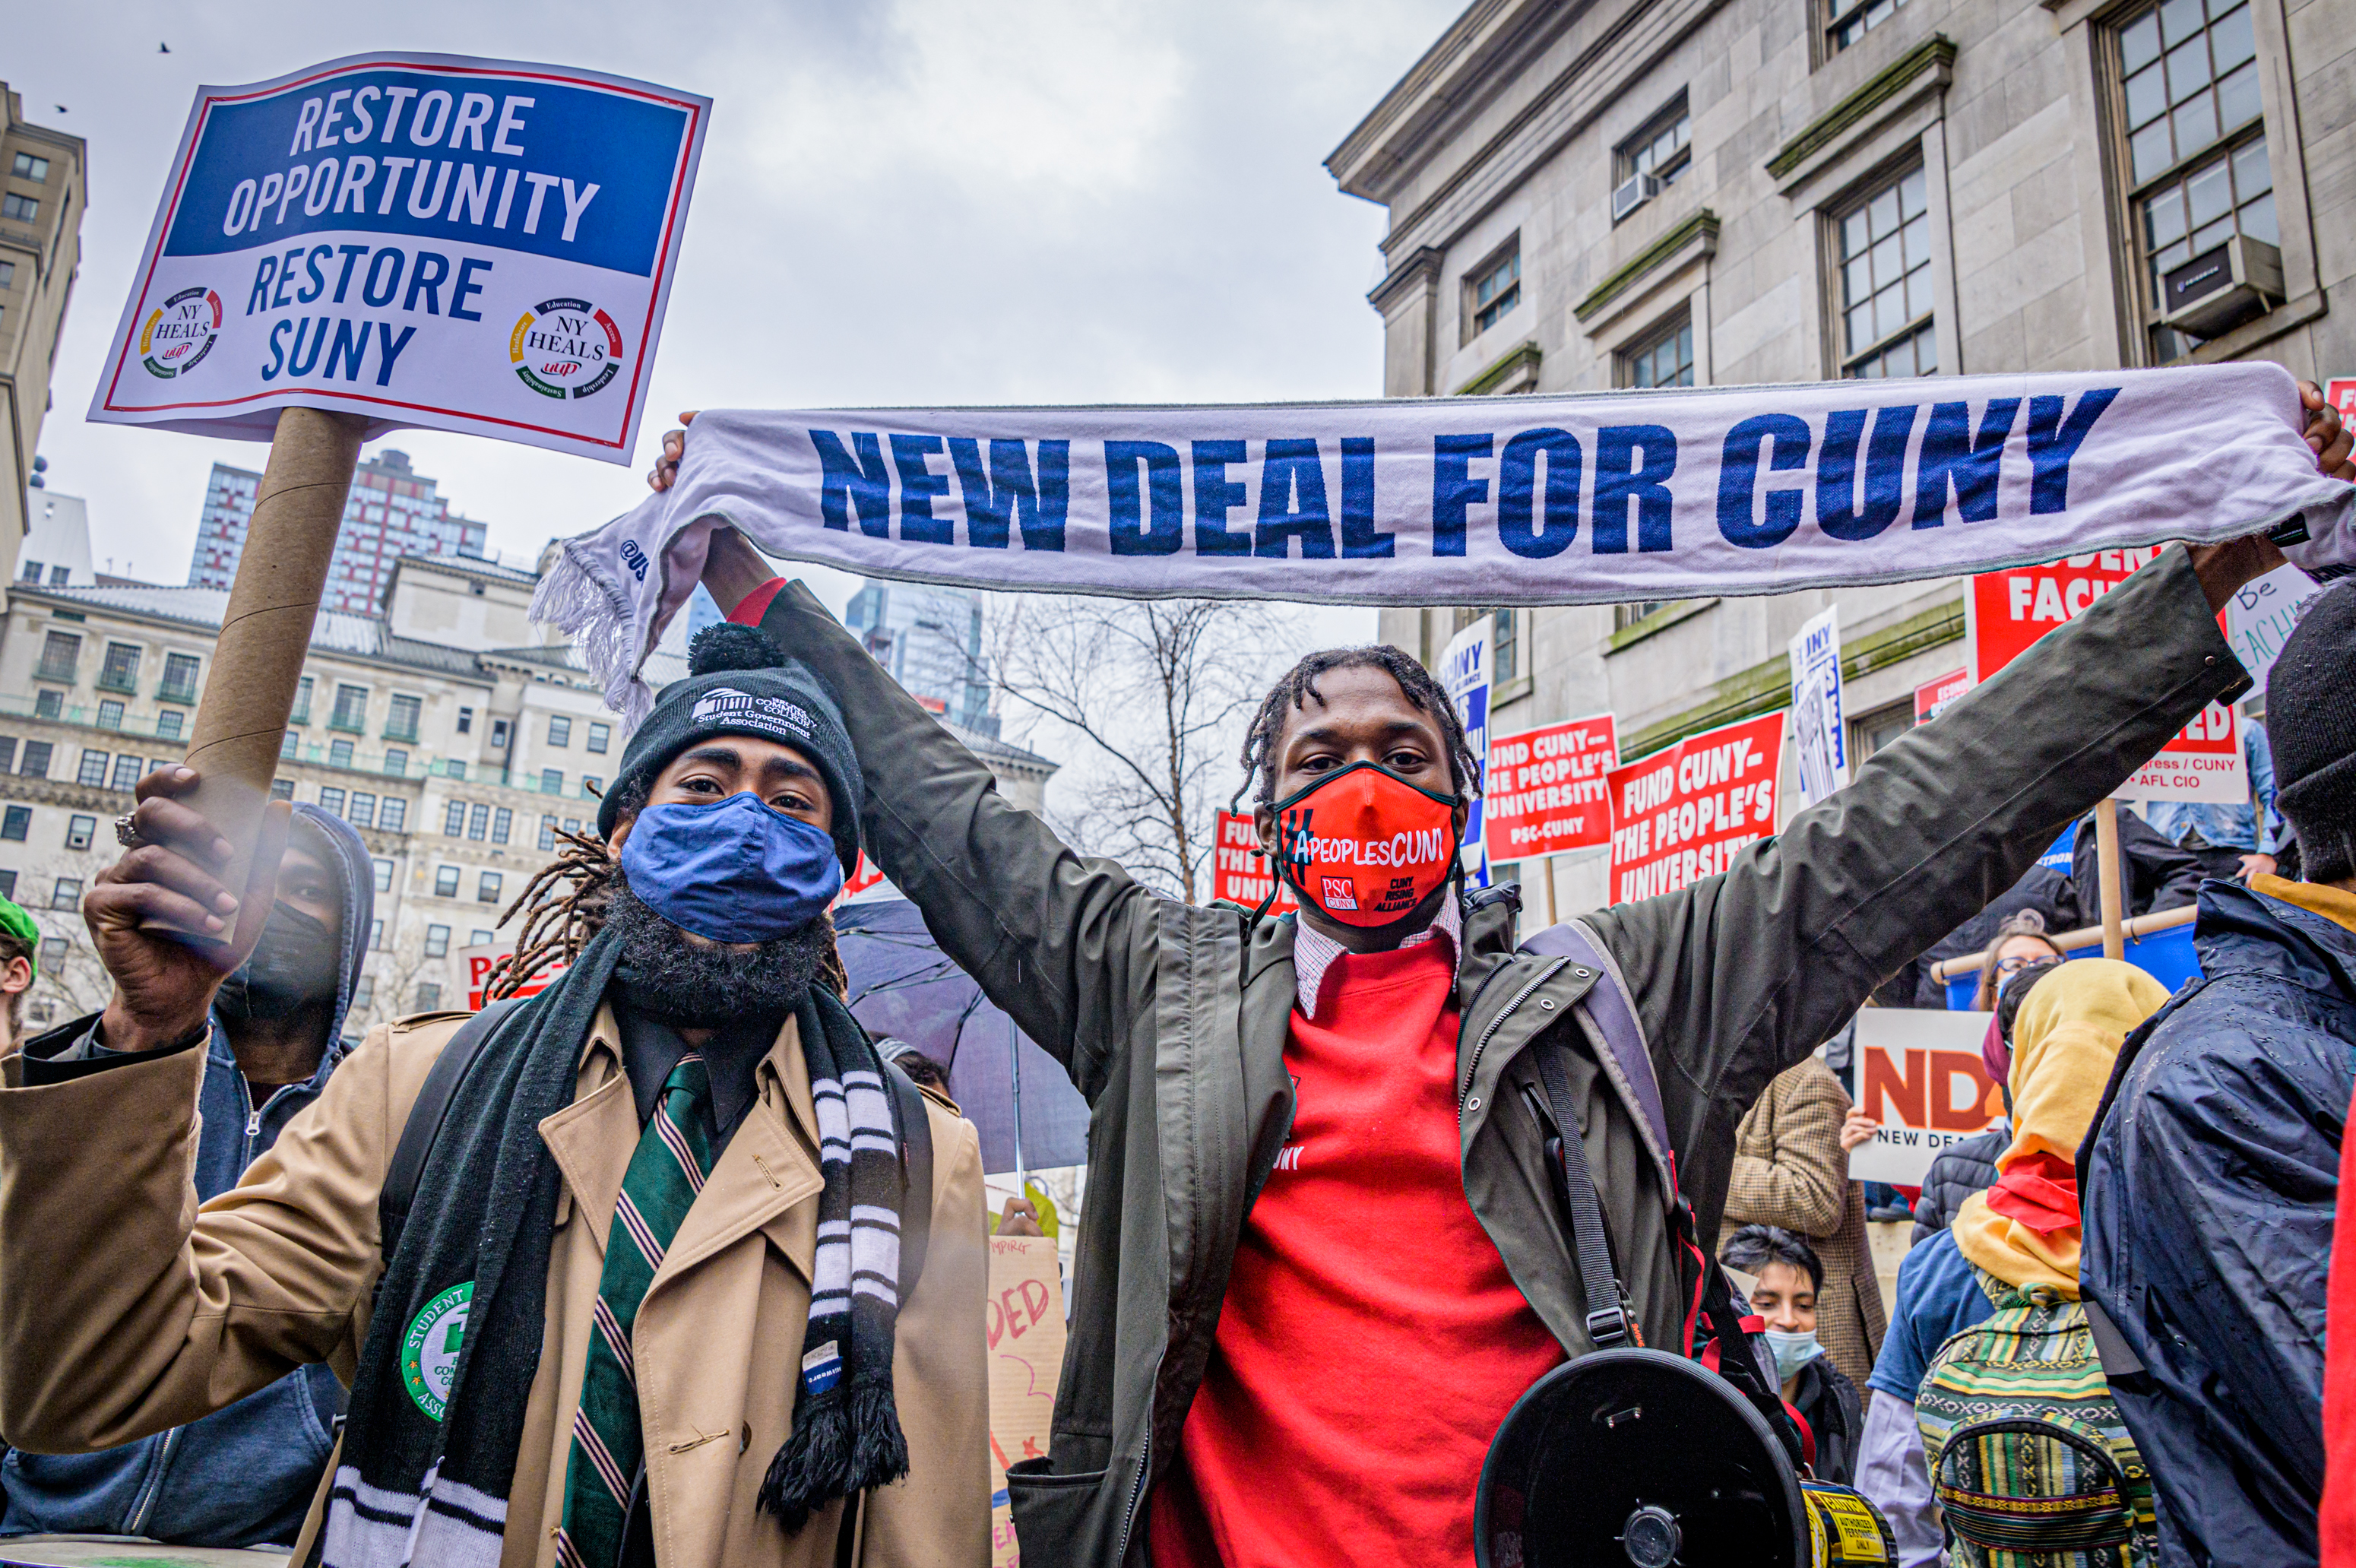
x,y
674,446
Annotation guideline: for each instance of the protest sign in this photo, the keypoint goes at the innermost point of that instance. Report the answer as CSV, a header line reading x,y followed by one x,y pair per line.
x,y
1023,1319
1683,814
1546,788
1932,698
1239,872
1920,1075
2005,612
2340,394
1817,731
2262,614
1593,499
1464,675
423,240
477,962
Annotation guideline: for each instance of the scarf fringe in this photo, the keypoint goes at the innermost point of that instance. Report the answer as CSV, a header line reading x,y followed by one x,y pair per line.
x,y
580,598
842,1443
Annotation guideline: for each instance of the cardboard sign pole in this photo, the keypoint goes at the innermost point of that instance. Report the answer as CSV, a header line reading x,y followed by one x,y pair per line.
x,y
2106,854
266,634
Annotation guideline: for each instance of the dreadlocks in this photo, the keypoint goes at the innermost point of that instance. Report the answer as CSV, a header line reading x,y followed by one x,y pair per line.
x,y
1292,695
557,926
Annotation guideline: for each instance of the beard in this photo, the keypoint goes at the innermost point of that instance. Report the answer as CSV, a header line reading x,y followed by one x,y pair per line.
x,y
684,982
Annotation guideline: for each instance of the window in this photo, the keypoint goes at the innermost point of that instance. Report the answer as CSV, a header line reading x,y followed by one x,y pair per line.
x,y
27,167
7,885
126,774
302,713
1505,647
478,820
109,714
396,762
480,938
1667,359
36,760
1852,19
376,934
168,723
446,882
48,704
552,781
93,769
392,814
547,832
1625,616
179,678
361,812
400,718
437,941
53,952
465,720
591,785
60,576
502,823
339,752
158,762
8,273
281,788
31,573
351,709
600,736
571,824
427,997
60,654
453,819
455,769
16,822
498,735
383,869
1868,732
363,992
67,893
119,672
1494,288
2196,142
22,209
331,802
487,889
289,749
1885,283
1660,149
559,731
7,754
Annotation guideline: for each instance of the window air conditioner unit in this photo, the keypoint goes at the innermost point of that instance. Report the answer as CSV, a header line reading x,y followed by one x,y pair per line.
x,y
2219,289
1632,193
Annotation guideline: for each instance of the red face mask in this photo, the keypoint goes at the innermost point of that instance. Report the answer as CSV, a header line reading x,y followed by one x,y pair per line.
x,y
1365,846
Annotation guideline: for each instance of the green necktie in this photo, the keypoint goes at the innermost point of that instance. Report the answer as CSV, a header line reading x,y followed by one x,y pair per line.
x,y
665,1172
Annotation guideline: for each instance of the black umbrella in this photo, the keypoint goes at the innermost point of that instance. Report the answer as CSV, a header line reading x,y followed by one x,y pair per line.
x,y
903,984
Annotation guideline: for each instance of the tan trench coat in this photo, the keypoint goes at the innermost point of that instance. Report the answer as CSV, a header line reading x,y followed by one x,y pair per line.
x,y
127,1309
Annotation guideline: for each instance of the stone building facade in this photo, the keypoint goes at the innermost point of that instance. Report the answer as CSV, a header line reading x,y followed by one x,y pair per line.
x,y
44,186
1658,193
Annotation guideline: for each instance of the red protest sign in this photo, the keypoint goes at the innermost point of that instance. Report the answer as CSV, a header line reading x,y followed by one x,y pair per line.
x,y
1683,814
2006,612
477,962
2340,394
1932,698
1545,789
1239,872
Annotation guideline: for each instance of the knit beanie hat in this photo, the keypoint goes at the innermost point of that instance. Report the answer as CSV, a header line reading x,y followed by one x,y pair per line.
x,y
739,683
2311,720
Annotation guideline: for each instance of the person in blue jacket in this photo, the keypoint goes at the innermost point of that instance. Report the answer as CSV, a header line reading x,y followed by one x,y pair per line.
x,y
244,1475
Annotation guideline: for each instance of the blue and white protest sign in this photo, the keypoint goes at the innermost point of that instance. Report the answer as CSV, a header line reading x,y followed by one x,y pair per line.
x,y
1590,498
425,240
1818,739
1464,675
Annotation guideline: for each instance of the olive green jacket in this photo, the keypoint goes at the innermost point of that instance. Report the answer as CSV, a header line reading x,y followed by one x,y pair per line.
x,y
1172,1018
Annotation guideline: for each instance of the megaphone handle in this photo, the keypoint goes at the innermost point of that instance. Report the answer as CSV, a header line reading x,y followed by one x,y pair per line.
x,y
1607,1311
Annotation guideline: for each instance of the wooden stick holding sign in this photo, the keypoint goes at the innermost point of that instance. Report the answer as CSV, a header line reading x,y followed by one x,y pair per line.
x,y
2106,855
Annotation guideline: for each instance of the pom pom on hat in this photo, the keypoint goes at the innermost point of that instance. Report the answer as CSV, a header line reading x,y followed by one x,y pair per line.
x,y
725,645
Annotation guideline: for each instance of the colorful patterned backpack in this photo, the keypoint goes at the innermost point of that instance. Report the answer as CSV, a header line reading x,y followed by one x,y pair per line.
x,y
2029,1456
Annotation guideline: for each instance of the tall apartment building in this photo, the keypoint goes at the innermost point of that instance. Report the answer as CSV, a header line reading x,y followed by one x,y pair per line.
x,y
44,184
392,512
457,743
1654,193
930,640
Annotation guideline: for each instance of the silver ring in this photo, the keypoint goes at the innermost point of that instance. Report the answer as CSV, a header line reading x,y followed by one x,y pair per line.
x,y
126,833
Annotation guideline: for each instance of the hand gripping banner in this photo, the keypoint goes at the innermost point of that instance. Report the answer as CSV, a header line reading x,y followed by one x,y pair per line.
x,y
1587,498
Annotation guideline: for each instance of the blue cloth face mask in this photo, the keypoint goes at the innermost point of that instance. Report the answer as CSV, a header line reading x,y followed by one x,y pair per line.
x,y
1792,1351
731,871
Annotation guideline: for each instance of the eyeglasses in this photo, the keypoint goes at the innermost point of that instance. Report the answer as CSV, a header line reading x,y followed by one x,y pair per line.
x,y
2015,965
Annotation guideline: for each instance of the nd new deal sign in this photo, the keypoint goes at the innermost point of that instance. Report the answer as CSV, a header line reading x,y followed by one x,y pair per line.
x,y
464,244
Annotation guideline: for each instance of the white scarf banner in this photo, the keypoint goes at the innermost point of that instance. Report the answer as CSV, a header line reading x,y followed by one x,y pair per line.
x,y
1588,499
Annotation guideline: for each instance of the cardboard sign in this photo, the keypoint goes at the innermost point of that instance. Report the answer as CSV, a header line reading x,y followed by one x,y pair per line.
x,y
1818,732
1683,814
1919,1073
1464,673
475,963
1239,872
427,239
1546,788
2262,614
1025,1322
2006,612
1932,698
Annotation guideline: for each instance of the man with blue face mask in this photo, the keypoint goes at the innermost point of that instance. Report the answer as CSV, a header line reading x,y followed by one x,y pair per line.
x,y
682,1273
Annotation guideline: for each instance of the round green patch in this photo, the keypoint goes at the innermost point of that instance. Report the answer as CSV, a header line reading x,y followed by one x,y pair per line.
x,y
428,1351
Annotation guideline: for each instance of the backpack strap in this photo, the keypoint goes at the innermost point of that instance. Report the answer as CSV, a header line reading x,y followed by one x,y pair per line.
x,y
1610,1005
1607,1310
425,1124
916,1161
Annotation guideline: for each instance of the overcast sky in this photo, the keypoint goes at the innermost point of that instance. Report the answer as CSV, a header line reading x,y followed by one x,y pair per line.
x,y
916,202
